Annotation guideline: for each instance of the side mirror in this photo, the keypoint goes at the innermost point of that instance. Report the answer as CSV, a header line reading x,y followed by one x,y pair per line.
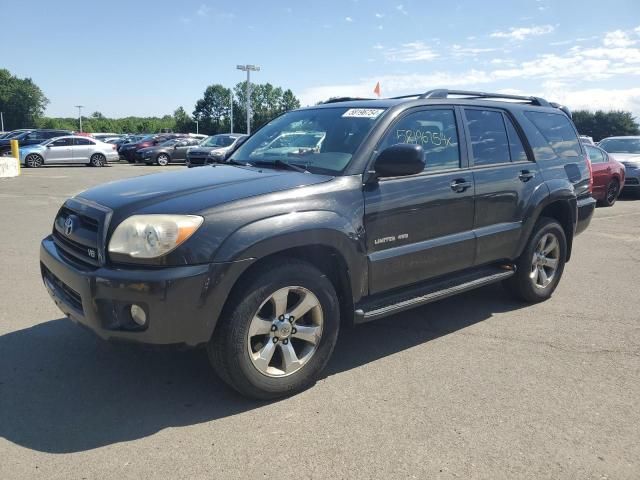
x,y
400,160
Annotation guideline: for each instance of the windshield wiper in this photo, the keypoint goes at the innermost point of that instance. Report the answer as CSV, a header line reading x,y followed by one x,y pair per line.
x,y
281,164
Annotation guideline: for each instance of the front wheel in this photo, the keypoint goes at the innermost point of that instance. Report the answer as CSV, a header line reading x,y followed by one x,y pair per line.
x,y
163,159
539,268
33,160
278,331
97,160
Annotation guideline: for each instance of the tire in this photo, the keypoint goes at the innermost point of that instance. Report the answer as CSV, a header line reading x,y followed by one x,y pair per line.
x,y
33,160
245,334
528,283
610,194
163,159
97,160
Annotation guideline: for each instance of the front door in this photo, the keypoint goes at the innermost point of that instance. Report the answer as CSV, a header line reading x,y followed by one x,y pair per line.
x,y
505,179
421,226
59,151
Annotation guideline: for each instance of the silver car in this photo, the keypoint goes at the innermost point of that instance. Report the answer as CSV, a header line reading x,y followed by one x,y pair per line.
x,y
67,150
626,150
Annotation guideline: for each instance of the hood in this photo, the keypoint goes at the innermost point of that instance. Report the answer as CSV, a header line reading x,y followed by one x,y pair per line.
x,y
198,149
219,184
626,157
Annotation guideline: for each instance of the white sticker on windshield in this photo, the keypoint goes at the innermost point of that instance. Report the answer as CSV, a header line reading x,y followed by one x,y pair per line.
x,y
363,112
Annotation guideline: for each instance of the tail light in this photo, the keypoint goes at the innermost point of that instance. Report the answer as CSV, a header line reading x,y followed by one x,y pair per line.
x,y
590,174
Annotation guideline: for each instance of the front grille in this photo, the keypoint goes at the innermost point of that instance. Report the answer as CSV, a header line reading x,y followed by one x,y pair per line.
x,y
632,181
78,232
62,290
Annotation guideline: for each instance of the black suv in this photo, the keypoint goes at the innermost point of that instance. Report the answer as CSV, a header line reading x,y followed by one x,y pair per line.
x,y
263,257
31,137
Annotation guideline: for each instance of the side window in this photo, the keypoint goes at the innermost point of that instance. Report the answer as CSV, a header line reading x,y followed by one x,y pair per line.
x,y
82,141
435,131
518,153
557,130
35,137
489,141
61,142
595,155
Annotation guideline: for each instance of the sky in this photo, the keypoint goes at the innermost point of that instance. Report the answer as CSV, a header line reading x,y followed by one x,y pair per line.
x,y
125,57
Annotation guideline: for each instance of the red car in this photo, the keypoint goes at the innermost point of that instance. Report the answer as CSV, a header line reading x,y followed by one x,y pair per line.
x,y
608,176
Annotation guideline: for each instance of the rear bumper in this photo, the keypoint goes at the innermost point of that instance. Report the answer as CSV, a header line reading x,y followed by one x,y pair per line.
x,y
181,303
198,161
586,206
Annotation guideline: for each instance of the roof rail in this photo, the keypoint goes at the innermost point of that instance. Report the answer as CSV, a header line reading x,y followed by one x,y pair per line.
x,y
444,93
344,99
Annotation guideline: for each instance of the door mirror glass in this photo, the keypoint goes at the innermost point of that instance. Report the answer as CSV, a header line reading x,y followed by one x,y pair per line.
x,y
400,160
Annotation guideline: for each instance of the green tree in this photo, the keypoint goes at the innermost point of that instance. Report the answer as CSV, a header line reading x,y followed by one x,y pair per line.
x,y
21,101
212,111
183,122
601,124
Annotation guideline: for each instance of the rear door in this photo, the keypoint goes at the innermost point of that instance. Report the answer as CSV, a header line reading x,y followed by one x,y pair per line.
x,y
180,153
421,226
505,178
82,149
59,151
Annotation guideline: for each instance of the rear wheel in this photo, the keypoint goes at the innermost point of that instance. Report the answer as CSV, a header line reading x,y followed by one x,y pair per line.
x,y
98,160
33,160
278,332
540,267
611,194
163,159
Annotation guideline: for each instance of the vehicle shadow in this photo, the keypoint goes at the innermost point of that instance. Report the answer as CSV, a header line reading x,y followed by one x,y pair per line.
x,y
64,390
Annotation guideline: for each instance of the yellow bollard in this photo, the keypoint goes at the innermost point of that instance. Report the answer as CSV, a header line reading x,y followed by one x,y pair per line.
x,y
15,152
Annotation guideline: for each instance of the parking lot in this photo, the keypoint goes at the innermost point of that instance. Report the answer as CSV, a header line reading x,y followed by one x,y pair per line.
x,y
476,386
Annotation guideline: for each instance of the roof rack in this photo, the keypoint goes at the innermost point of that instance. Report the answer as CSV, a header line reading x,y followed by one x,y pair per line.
x,y
444,93
344,99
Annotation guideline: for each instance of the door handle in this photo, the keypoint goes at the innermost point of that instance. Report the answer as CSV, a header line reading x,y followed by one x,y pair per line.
x,y
460,185
526,175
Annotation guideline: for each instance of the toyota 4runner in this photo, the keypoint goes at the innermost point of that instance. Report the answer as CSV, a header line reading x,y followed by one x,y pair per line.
x,y
263,257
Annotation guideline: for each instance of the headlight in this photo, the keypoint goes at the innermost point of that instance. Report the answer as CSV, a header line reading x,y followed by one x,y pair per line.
x,y
151,236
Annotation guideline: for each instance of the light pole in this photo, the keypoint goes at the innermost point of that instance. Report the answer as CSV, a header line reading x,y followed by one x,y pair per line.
x,y
2,121
231,112
197,127
248,69
80,107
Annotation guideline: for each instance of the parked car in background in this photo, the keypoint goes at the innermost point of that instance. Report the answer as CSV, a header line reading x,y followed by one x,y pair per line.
x,y
627,151
587,140
212,149
105,136
12,133
174,150
30,137
128,150
608,176
67,150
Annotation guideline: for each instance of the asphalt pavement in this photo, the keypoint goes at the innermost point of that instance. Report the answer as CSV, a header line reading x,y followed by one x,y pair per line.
x,y
475,386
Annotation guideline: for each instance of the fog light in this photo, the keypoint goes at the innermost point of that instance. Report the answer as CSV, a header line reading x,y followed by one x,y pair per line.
x,y
138,315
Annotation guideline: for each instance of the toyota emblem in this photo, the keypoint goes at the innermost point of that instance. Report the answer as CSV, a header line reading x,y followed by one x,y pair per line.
x,y
68,226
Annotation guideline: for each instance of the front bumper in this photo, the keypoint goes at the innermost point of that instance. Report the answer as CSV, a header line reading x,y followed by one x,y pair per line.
x,y
586,207
182,303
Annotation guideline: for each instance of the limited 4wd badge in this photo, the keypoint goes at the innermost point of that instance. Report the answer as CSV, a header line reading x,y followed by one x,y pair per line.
x,y
363,113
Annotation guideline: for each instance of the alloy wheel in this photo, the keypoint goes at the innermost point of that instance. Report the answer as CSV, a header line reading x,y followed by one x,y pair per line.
x,y
612,192
285,331
546,258
163,159
33,160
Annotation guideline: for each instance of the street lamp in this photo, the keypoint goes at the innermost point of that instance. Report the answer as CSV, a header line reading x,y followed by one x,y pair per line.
x,y
197,127
231,112
80,107
248,69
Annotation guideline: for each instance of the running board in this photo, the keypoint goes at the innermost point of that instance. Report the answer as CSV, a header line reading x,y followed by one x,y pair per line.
x,y
430,292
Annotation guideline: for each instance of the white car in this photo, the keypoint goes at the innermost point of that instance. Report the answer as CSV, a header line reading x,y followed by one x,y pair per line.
x,y
67,150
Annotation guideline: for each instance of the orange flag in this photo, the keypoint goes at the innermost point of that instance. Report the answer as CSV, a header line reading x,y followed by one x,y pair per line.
x,y
377,89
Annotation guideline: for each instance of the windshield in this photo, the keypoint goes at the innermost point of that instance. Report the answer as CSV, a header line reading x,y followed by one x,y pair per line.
x,y
621,145
321,139
218,141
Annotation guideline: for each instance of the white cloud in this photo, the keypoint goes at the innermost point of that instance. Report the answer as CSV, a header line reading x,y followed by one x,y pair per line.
x,y
348,19
401,9
524,32
618,38
379,15
410,52
203,10
378,46
460,51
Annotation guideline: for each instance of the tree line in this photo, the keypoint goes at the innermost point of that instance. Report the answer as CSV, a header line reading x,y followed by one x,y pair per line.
x,y
601,124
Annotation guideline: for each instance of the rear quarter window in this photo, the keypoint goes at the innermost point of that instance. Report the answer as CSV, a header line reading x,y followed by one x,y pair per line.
x,y
556,131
